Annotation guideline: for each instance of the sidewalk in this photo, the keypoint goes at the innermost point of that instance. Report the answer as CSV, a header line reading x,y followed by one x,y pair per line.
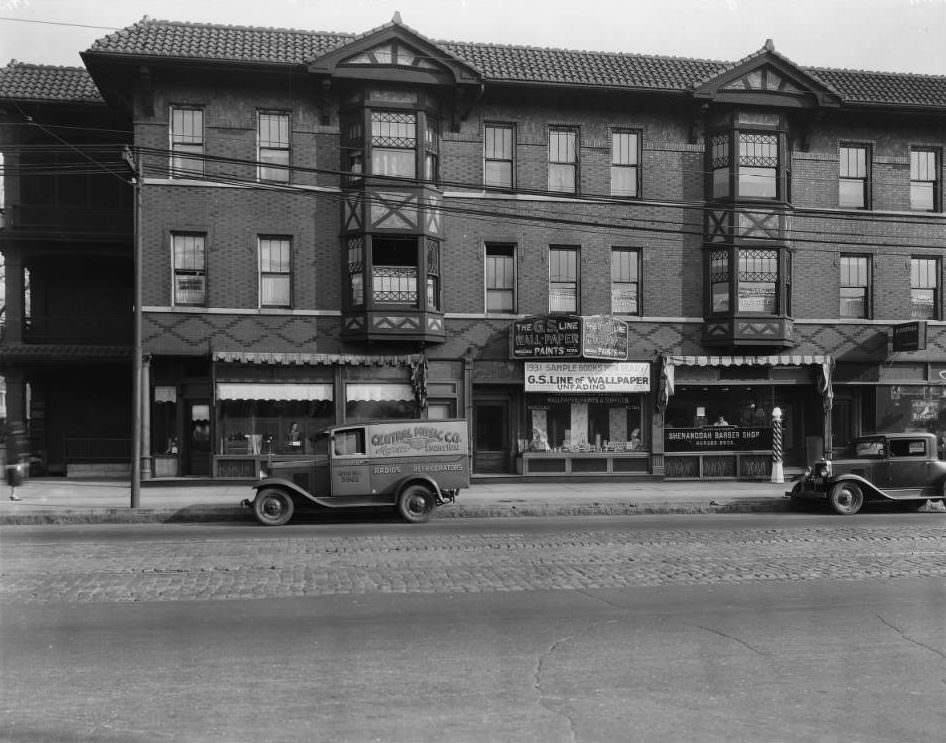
x,y
61,501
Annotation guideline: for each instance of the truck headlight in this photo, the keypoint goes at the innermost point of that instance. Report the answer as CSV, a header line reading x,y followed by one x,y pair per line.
x,y
823,470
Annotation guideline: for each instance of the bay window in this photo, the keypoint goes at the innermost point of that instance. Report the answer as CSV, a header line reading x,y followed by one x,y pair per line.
x,y
747,157
748,281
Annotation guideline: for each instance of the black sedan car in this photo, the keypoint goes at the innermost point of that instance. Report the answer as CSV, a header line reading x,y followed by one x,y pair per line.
x,y
899,467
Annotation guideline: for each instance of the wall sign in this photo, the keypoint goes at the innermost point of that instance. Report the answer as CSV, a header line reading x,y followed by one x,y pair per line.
x,y
576,376
909,336
603,337
547,336
717,438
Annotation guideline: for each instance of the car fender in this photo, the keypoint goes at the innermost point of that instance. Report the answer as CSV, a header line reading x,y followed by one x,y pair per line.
x,y
424,480
868,487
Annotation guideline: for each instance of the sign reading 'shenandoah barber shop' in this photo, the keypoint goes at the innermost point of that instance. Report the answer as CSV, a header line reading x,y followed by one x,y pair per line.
x,y
576,376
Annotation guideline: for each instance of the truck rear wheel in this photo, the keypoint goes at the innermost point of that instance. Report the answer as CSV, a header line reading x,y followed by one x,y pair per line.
x,y
415,504
273,507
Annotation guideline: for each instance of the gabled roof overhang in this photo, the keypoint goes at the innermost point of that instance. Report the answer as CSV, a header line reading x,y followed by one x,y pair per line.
x,y
766,78
396,52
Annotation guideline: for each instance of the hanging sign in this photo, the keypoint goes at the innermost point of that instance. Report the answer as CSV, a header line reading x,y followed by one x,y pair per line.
x,y
910,336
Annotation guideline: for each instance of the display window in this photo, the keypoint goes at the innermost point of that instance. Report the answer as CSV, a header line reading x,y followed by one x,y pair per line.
x,y
910,408
563,423
272,426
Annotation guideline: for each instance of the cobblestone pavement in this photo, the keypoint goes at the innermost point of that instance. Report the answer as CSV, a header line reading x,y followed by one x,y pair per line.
x,y
208,569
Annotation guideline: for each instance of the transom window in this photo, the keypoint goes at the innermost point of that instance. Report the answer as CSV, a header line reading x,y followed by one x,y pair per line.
x,y
625,163
924,288
498,164
275,272
855,283
563,279
500,278
563,159
273,138
924,179
190,269
854,176
625,281
187,142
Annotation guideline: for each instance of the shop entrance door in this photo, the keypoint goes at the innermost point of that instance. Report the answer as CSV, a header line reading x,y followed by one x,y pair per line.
x,y
491,451
196,455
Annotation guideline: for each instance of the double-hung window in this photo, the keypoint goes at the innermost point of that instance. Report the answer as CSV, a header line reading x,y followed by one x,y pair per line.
x,y
758,165
273,143
187,142
500,278
498,154
855,286
275,272
563,159
625,281
190,269
758,281
394,143
625,163
924,288
563,279
854,176
924,179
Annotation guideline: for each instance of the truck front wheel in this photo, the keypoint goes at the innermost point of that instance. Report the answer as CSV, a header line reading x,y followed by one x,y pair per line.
x,y
273,507
845,498
415,504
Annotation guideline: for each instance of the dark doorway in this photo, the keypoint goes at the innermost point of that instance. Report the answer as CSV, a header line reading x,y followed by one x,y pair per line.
x,y
197,438
491,436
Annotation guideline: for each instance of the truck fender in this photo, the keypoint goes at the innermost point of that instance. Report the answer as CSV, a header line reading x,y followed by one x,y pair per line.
x,y
283,484
424,480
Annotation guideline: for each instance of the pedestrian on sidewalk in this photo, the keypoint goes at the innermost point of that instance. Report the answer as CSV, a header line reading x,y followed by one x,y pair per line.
x,y
17,457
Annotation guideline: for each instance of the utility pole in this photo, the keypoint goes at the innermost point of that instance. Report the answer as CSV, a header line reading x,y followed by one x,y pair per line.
x,y
136,393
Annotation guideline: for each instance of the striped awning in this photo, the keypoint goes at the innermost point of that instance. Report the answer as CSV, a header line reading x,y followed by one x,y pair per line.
x,y
773,360
313,359
274,391
378,391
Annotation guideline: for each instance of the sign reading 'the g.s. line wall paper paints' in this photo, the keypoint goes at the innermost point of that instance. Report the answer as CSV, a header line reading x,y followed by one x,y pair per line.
x,y
576,376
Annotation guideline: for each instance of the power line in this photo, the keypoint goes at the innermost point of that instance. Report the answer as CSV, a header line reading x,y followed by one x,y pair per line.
x,y
59,23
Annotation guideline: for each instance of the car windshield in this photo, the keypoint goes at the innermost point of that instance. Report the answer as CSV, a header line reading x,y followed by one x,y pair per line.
x,y
869,449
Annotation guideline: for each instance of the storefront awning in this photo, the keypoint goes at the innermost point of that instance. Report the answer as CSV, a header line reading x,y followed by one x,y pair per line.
x,y
773,360
375,392
313,359
273,391
824,362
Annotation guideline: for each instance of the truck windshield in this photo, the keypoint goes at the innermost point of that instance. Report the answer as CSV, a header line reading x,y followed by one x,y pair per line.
x,y
869,449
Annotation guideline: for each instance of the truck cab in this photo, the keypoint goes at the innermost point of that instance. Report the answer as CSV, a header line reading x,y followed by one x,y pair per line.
x,y
412,465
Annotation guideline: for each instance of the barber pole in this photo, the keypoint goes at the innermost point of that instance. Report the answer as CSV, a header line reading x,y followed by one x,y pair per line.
x,y
778,474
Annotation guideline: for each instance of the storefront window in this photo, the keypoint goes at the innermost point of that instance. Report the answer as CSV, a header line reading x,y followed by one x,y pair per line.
x,y
272,426
605,423
910,408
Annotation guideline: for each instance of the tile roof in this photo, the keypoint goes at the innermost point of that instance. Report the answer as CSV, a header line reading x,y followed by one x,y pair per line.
x,y
497,63
33,82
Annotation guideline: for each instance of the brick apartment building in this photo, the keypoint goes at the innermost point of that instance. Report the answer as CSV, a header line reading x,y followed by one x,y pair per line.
x,y
592,257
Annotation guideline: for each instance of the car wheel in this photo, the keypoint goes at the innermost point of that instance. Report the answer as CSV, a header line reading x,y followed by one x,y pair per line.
x,y
845,498
273,507
415,504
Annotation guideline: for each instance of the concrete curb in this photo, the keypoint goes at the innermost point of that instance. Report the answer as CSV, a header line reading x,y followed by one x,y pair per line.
x,y
230,514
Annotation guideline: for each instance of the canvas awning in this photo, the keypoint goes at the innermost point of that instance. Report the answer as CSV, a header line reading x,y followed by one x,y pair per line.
x,y
375,392
824,362
274,391
313,359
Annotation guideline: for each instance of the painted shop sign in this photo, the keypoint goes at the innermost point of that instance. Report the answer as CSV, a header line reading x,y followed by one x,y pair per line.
x,y
569,337
577,376
550,336
717,438
603,337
